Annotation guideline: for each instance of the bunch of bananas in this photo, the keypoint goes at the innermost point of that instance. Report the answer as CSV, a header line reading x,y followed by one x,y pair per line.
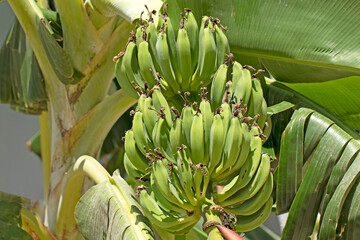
x,y
209,152
178,154
179,60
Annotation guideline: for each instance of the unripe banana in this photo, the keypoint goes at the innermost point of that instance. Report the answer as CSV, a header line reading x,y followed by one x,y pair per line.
x,y
160,104
197,178
241,83
141,137
231,149
152,39
254,185
134,154
186,176
139,35
172,223
176,137
122,78
217,140
248,223
184,58
140,105
192,30
218,86
131,65
253,204
222,45
187,119
145,64
162,140
208,117
246,173
131,170
150,116
268,127
263,114
166,188
256,98
163,57
197,139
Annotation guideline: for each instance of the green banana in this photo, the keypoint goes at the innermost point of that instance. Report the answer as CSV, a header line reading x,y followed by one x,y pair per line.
x,y
162,140
152,39
131,170
169,222
139,35
145,64
246,173
166,188
134,154
192,30
208,117
222,44
263,114
253,186
256,98
248,223
268,127
207,55
241,83
198,179
176,137
143,141
186,176
163,57
231,148
150,116
225,114
140,105
253,204
159,101
197,139
187,119
217,140
123,80
184,57
131,65
218,86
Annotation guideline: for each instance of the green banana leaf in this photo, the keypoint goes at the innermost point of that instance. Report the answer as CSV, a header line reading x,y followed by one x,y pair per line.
x,y
309,45
22,84
110,211
10,218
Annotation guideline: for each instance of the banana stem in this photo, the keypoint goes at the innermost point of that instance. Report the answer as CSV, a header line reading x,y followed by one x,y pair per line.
x,y
45,141
84,166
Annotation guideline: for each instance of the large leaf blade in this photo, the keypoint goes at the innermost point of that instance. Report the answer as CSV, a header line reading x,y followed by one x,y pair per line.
x,y
109,210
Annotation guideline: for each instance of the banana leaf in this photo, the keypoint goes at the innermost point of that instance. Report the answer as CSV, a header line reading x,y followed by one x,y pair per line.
x,y
10,218
110,210
22,84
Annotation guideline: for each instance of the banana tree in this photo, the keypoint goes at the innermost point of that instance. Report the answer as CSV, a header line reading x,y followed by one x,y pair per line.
x,y
58,62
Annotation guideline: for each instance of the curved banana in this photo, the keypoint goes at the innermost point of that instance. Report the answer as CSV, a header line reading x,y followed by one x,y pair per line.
x,y
222,45
131,170
140,134
218,86
176,137
197,139
123,80
268,127
160,104
256,98
192,30
231,149
184,57
217,140
134,154
145,64
152,39
248,223
253,186
150,116
241,83
187,119
253,204
246,173
163,56
263,114
162,140
139,35
208,118
131,65
169,222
